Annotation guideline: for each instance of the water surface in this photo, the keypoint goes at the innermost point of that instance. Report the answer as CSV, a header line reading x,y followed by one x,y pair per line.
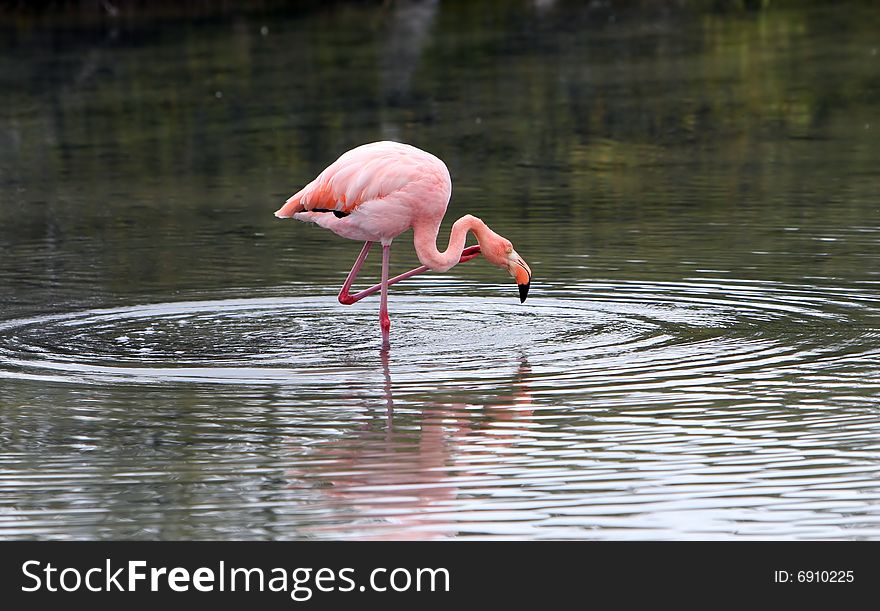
x,y
694,187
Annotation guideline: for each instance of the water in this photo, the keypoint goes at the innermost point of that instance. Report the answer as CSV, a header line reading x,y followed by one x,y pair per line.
x,y
695,189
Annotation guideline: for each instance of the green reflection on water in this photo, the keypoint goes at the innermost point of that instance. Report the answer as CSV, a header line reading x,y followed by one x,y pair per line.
x,y
146,157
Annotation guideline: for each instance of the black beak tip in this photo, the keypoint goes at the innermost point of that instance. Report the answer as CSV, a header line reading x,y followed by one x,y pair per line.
x,y
524,291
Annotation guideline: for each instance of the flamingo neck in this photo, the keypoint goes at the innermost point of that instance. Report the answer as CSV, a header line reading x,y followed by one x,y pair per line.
x,y
425,241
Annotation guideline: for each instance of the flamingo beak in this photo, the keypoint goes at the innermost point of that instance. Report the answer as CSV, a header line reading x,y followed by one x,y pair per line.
x,y
520,270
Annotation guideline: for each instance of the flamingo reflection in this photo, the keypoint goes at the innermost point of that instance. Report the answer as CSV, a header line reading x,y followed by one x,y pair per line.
x,y
400,475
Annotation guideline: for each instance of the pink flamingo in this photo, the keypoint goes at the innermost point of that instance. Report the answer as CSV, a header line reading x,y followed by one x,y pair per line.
x,y
377,191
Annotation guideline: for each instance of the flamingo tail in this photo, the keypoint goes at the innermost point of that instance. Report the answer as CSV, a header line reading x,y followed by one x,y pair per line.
x,y
290,207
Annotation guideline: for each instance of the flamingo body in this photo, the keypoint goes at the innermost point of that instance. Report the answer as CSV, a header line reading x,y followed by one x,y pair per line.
x,y
377,191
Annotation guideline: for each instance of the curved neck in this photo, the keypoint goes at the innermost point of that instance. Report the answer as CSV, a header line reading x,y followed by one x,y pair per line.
x,y
425,241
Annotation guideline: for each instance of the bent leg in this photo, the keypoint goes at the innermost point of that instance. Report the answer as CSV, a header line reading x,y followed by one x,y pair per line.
x,y
467,254
344,297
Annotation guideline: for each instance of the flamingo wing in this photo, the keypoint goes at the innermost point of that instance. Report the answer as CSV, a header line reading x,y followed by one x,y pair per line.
x,y
363,174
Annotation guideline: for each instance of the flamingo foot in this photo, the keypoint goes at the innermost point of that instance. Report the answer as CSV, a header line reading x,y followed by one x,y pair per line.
x,y
469,253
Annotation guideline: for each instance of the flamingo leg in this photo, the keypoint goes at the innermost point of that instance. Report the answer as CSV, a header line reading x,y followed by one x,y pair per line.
x,y
384,320
344,297
467,254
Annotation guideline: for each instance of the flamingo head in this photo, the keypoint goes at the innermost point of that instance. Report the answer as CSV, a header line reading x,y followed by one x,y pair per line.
x,y
500,252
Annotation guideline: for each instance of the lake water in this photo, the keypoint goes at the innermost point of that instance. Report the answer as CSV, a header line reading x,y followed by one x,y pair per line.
x,y
694,185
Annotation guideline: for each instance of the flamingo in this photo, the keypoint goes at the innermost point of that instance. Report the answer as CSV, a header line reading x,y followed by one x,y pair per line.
x,y
375,192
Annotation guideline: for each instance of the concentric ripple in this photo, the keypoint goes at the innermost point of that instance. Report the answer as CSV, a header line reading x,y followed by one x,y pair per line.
x,y
699,408
602,334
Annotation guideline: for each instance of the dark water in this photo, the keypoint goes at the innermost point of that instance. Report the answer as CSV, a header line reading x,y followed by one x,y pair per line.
x,y
694,185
